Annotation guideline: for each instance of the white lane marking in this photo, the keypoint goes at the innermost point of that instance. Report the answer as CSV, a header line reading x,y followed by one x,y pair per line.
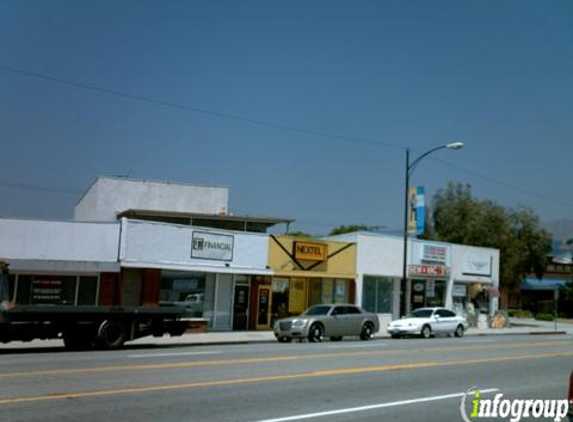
x,y
373,406
355,346
161,355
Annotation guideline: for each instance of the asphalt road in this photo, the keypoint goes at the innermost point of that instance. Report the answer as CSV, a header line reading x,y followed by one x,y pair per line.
x,y
379,380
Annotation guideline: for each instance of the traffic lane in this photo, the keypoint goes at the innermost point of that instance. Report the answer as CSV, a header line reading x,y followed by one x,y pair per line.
x,y
87,363
173,354
288,397
141,379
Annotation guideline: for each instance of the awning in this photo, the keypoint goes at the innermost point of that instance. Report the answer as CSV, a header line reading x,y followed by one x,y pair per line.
x,y
62,267
543,284
197,268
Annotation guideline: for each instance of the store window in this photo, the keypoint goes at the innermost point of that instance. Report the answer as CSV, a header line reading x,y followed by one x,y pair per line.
x,y
378,294
46,290
87,291
11,286
435,292
334,291
184,289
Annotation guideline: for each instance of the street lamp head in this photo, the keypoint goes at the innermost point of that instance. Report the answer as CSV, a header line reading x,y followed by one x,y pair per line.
x,y
455,145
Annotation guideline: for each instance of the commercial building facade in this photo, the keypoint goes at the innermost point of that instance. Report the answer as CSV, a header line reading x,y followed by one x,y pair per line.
x,y
230,279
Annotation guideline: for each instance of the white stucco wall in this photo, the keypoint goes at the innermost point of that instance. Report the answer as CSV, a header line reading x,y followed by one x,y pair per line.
x,y
33,241
108,196
377,255
161,245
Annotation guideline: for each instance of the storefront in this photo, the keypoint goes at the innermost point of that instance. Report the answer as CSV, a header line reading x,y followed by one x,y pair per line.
x,y
475,286
59,263
305,272
210,272
439,274
429,271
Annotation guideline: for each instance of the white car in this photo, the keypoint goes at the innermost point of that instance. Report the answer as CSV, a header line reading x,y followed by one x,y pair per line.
x,y
427,322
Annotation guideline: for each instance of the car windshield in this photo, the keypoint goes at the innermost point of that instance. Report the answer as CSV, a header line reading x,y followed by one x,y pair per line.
x,y
317,310
422,313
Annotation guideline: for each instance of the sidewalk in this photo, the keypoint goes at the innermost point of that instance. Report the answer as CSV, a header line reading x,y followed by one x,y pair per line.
x,y
518,327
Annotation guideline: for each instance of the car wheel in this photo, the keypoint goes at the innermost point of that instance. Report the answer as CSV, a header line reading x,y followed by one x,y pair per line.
x,y
336,338
426,331
315,333
284,339
396,336
367,331
459,331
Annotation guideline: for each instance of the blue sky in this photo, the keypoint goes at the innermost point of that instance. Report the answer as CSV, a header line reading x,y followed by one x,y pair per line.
x,y
396,74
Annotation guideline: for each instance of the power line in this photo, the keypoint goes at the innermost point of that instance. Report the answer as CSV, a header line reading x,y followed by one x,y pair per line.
x,y
504,184
228,116
220,115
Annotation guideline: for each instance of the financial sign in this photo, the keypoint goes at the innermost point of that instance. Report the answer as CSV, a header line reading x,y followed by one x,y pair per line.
x,y
218,247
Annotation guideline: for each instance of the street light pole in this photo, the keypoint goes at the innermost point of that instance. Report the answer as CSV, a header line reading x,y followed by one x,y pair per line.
x,y
404,302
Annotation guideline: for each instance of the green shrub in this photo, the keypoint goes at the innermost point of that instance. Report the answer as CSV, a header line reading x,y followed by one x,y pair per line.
x,y
545,306
544,317
520,313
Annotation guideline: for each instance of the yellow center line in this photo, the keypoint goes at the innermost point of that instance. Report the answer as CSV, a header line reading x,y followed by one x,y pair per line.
x,y
311,374
283,358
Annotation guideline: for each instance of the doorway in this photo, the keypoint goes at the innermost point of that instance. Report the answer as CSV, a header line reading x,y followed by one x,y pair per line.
x,y
241,308
264,297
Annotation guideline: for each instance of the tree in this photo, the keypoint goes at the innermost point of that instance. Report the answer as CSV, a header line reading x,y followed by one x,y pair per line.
x,y
460,218
299,234
349,229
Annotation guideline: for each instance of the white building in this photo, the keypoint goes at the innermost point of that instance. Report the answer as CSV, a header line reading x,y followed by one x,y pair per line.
x,y
439,274
108,197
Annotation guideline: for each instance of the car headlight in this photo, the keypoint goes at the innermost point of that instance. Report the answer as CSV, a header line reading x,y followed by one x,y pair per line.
x,y
299,323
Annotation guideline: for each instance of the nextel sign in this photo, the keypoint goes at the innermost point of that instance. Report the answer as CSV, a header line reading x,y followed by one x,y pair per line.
x,y
310,251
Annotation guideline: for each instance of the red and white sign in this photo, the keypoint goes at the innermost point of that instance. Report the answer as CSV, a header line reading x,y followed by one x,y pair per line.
x,y
434,271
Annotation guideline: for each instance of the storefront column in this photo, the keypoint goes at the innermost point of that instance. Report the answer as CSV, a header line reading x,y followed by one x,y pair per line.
x,y
449,300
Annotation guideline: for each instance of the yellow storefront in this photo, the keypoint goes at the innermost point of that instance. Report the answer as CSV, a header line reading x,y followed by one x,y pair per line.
x,y
305,272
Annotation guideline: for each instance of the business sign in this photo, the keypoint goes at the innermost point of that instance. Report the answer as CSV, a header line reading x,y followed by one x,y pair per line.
x,y
434,253
46,291
435,271
218,247
310,251
430,288
477,264
430,253
460,290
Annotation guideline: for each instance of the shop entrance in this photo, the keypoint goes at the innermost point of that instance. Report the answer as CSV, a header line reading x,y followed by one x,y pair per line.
x,y
263,307
241,308
428,293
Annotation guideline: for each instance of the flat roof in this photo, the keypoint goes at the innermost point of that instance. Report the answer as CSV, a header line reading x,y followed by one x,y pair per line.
x,y
269,221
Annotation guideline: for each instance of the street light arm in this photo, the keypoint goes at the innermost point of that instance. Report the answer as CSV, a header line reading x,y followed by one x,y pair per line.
x,y
421,157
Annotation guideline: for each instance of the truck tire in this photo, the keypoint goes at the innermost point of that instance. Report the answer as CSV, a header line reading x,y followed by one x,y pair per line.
x,y
111,334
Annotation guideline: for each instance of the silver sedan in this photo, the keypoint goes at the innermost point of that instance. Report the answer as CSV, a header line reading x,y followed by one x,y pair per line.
x,y
334,321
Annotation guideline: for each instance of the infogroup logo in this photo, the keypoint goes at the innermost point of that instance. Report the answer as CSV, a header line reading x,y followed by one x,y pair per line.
x,y
514,409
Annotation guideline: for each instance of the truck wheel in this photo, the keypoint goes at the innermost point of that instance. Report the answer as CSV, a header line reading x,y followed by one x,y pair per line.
x,y
111,335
